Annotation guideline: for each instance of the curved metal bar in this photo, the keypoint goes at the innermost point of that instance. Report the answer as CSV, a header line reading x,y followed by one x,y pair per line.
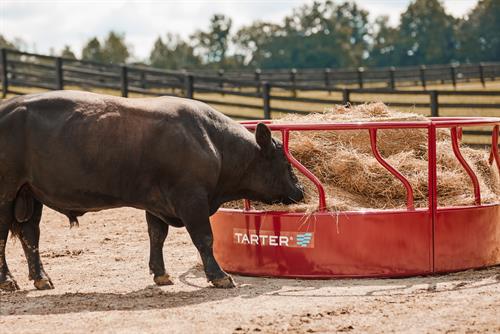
x,y
465,165
392,170
494,147
304,170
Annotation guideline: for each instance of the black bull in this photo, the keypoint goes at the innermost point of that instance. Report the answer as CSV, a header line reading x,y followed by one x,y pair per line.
x,y
177,159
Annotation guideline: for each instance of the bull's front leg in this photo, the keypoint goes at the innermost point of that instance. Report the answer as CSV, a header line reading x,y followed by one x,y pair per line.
x,y
194,213
158,231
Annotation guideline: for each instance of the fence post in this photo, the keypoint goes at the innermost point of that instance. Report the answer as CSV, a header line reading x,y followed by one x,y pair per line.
x,y
59,74
143,80
392,81
5,74
434,103
293,75
327,80
124,81
360,77
257,78
453,74
481,74
422,76
266,99
220,73
346,96
189,86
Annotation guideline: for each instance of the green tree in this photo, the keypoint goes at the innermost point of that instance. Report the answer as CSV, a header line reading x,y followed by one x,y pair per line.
x,y
92,51
479,33
213,44
351,28
159,55
115,50
321,34
383,45
4,43
174,53
67,52
252,41
426,34
15,44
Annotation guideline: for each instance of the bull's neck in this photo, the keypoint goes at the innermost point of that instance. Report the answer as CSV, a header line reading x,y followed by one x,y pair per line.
x,y
237,159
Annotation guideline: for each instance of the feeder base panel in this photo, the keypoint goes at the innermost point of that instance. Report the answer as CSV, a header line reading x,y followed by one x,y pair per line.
x,y
356,244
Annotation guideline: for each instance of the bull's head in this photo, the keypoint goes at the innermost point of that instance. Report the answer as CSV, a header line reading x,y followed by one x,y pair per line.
x,y
270,176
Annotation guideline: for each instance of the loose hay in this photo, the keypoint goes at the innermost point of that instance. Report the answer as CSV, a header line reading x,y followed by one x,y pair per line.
x,y
354,180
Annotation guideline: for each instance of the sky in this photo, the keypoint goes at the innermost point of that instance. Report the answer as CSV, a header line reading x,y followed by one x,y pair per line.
x,y
43,25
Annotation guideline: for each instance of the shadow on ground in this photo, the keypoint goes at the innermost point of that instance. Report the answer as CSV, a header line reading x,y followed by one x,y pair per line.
x,y
153,297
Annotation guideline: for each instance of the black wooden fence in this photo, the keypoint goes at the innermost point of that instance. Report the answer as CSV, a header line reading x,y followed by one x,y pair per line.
x,y
21,72
389,77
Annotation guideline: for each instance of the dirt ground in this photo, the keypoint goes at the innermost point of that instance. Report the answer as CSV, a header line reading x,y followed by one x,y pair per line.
x,y
102,285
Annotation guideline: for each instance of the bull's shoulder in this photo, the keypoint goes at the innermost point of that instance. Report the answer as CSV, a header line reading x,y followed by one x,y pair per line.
x,y
196,112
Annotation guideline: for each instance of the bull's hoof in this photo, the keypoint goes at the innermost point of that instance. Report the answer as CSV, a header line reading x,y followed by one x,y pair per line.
x,y
43,284
163,280
9,285
226,282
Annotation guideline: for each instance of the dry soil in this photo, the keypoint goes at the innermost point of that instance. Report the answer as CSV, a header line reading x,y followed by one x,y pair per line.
x,y
102,285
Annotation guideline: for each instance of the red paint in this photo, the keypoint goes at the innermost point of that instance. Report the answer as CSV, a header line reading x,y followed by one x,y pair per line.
x,y
494,147
350,244
465,165
305,171
376,243
392,170
467,237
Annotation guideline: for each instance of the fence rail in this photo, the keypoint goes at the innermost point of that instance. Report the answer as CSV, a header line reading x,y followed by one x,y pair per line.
x,y
261,93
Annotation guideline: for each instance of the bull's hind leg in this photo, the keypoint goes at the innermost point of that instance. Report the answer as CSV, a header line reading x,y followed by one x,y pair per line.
x,y
158,231
29,234
7,281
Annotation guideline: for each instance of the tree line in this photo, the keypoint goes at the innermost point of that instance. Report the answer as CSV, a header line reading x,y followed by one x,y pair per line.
x,y
317,35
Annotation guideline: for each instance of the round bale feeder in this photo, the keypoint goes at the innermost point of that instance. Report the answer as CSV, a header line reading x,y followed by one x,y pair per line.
x,y
374,243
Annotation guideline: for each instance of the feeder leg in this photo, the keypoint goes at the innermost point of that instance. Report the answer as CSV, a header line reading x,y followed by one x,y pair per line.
x,y
198,226
158,231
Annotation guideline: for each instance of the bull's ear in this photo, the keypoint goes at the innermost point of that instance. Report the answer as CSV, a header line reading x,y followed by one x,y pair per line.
x,y
263,137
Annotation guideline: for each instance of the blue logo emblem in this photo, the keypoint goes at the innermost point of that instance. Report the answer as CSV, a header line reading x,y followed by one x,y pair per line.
x,y
304,239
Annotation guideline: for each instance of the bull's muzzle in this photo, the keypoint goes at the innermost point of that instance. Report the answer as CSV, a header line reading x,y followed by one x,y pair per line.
x,y
296,197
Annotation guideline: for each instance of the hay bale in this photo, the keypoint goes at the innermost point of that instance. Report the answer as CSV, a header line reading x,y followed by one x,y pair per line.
x,y
354,180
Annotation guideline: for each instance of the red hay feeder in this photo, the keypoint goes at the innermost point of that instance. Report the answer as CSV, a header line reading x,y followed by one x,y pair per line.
x,y
377,243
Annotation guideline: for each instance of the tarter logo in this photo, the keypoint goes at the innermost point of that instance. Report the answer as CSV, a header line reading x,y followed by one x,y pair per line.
x,y
269,238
